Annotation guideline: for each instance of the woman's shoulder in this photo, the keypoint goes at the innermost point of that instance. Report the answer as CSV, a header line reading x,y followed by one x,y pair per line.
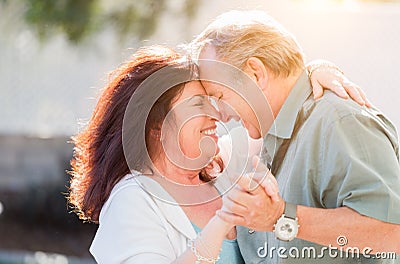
x,y
127,191
140,190
138,196
129,181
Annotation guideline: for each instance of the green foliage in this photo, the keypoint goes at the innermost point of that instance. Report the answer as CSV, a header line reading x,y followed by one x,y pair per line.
x,y
138,18
78,19
190,7
73,17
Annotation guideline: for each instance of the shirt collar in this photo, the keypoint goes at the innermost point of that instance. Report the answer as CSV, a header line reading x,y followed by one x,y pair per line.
x,y
284,123
172,212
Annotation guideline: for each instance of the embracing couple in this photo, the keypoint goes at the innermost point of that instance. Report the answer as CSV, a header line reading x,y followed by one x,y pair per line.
x,y
313,177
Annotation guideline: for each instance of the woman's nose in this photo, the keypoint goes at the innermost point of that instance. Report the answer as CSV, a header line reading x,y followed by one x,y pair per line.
x,y
225,117
215,114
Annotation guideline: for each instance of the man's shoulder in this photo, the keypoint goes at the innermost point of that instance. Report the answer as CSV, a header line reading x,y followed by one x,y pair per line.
x,y
331,107
331,110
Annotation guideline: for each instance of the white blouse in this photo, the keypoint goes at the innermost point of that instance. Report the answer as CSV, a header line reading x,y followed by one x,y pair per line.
x,y
136,226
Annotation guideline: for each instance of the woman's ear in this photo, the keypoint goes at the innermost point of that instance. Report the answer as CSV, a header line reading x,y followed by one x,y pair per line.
x,y
257,71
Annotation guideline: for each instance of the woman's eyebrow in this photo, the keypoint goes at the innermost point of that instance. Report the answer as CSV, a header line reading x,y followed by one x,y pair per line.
x,y
196,96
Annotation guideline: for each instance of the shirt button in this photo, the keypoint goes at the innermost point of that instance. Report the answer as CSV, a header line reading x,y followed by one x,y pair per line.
x,y
251,231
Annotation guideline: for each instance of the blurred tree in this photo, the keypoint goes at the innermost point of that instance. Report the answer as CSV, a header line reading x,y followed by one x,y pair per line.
x,y
73,17
78,19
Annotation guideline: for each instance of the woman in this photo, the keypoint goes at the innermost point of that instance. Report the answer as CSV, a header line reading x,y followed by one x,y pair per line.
x,y
143,171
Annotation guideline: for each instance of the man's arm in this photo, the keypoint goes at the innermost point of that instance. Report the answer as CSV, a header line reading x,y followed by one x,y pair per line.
x,y
365,180
324,226
257,211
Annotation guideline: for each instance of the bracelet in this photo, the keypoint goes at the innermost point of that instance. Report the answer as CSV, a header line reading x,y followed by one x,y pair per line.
x,y
199,257
322,64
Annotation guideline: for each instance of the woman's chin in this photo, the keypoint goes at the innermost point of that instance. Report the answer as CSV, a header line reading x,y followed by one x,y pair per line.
x,y
209,145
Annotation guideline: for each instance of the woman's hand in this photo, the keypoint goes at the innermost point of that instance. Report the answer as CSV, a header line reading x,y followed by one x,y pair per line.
x,y
326,75
268,180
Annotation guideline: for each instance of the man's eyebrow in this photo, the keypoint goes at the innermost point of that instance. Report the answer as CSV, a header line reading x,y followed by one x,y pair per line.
x,y
211,93
216,94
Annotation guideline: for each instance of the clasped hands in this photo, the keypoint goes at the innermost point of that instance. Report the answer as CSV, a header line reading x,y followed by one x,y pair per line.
x,y
254,201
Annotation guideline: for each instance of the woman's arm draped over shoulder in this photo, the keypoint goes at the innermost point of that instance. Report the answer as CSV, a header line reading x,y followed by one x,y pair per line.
x,y
325,74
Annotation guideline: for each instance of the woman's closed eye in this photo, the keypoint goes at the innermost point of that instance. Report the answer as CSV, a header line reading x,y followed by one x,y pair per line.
x,y
198,100
199,103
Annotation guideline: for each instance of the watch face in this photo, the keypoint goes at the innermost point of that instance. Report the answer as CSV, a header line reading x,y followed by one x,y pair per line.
x,y
286,229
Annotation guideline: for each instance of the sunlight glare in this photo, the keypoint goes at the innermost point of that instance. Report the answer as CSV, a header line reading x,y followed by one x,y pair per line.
x,y
329,5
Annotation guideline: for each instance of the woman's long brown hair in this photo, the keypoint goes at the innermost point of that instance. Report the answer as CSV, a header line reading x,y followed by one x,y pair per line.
x,y
99,161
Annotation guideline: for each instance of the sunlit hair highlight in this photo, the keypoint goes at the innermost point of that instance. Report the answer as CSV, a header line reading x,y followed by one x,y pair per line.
x,y
238,35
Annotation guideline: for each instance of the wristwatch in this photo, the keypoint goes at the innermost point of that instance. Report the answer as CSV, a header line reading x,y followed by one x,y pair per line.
x,y
287,226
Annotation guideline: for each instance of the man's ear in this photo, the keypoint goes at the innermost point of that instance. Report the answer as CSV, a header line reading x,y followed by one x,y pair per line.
x,y
257,71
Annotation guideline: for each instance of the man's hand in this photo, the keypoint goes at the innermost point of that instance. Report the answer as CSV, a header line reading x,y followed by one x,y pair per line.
x,y
249,205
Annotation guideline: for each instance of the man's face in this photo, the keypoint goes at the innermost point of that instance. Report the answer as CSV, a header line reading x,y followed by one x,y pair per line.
x,y
231,104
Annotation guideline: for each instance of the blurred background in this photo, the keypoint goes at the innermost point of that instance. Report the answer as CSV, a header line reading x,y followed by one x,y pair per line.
x,y
55,56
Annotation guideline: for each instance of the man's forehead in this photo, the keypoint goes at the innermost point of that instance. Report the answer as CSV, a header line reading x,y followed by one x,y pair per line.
x,y
212,88
216,76
210,67
208,53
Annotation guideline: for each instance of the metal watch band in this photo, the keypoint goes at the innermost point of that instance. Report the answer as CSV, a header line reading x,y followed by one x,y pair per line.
x,y
290,210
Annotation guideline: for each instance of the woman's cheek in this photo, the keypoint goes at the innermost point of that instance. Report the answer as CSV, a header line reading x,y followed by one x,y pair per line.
x,y
190,144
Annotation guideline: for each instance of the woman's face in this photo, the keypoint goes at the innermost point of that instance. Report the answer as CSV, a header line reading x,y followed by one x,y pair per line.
x,y
189,131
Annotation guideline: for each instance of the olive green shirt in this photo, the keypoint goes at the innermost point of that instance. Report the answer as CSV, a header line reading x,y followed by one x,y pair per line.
x,y
328,153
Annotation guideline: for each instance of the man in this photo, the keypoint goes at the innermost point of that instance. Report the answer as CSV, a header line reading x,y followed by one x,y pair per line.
x,y
336,162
